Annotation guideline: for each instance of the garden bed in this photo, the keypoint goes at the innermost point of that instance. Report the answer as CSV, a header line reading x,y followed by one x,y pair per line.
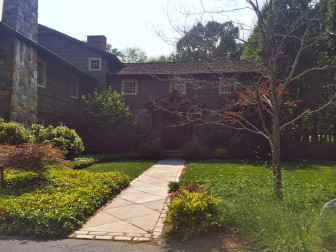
x,y
55,204
246,189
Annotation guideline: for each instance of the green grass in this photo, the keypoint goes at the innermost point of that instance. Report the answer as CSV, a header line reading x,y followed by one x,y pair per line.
x,y
249,206
131,168
56,203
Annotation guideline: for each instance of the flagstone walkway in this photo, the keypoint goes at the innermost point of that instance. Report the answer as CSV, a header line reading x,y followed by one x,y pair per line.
x,y
138,212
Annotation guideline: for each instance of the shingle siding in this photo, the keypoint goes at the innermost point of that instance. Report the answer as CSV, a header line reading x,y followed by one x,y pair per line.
x,y
54,104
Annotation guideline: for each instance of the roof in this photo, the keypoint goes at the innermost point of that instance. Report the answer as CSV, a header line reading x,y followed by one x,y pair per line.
x,y
181,68
44,30
6,30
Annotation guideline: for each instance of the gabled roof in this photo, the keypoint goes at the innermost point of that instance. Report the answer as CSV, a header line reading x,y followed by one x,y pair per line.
x,y
182,68
44,30
8,31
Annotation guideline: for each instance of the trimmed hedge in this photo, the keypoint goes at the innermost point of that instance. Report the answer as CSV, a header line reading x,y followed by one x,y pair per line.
x,y
56,204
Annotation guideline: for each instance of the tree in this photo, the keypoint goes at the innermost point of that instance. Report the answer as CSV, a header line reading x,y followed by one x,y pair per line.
x,y
286,31
209,42
133,55
27,157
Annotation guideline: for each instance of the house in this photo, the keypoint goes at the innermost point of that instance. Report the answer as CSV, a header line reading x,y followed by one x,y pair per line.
x,y
44,72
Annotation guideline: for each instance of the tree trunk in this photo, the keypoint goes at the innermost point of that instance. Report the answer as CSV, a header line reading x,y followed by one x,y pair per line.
x,y
2,178
276,157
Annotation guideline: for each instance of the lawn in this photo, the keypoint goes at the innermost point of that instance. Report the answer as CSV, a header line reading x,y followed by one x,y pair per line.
x,y
246,189
56,203
131,168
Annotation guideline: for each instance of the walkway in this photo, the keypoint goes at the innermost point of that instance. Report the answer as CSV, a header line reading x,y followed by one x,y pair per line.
x,y
138,212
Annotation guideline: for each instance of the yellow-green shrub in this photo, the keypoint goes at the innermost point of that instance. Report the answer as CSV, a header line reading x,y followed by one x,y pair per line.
x,y
192,213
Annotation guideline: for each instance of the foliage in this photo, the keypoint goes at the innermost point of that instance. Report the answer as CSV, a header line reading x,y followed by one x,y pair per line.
x,y
177,189
109,105
132,168
133,55
54,205
194,150
28,157
14,133
152,148
109,122
192,213
220,153
59,137
292,225
209,42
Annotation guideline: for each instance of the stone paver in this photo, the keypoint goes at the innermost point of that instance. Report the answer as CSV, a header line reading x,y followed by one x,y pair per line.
x,y
138,212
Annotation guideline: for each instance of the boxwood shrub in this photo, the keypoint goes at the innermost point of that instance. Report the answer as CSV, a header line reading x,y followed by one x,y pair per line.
x,y
55,204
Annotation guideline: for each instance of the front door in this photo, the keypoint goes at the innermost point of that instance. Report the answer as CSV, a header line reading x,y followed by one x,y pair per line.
x,y
174,136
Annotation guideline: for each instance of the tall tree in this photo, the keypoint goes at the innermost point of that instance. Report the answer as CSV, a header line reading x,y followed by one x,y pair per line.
x,y
208,42
286,31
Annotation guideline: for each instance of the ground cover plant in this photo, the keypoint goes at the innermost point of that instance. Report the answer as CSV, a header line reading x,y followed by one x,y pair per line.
x,y
56,203
246,191
131,168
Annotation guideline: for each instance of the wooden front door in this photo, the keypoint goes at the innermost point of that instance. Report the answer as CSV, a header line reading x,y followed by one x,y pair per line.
x,y
173,136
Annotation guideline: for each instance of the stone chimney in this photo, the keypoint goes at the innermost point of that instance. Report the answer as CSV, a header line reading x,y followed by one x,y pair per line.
x,y
98,41
19,86
22,16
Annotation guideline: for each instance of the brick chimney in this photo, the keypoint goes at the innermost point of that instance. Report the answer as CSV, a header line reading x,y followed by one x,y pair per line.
x,y
18,88
98,41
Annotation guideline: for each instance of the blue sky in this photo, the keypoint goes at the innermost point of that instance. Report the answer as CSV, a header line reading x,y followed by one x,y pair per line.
x,y
127,23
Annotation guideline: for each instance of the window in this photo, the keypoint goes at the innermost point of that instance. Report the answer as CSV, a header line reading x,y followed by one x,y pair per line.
x,y
74,87
41,74
129,87
95,64
179,87
226,86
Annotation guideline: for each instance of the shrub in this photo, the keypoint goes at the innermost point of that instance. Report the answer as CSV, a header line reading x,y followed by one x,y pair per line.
x,y
194,150
220,153
151,149
28,157
182,186
57,204
192,213
14,133
60,137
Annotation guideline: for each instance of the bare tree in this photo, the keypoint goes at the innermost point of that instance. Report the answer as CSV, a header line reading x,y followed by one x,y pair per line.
x,y
286,31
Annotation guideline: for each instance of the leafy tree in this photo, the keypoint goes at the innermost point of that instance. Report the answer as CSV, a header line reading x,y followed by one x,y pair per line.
x,y
209,42
109,122
286,31
27,157
133,55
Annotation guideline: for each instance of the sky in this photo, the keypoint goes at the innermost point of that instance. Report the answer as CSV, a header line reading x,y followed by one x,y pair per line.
x,y
133,23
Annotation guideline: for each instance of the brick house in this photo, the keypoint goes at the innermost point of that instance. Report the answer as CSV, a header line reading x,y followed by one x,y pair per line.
x,y
44,72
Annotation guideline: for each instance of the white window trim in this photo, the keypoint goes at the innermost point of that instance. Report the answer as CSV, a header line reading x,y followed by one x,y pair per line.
x,y
100,64
44,63
129,80
73,78
171,87
226,82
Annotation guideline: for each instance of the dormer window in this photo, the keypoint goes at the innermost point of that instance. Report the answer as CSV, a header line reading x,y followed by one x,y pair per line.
x,y
41,74
95,64
179,87
74,88
226,86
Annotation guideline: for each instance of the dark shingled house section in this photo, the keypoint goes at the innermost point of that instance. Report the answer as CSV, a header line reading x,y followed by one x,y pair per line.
x,y
54,104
